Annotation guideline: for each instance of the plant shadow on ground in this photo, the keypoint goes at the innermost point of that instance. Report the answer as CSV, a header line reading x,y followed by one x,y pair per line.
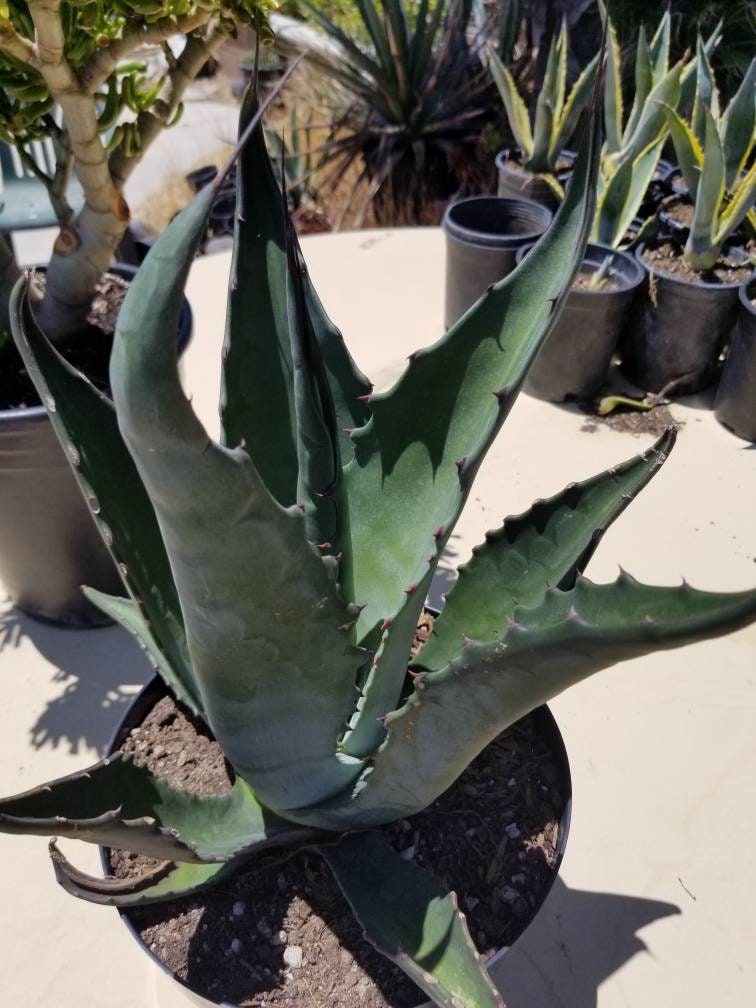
x,y
98,672
579,939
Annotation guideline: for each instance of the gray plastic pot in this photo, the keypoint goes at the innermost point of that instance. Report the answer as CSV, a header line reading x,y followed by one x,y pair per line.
x,y
177,993
676,331
735,405
516,182
49,543
573,362
483,235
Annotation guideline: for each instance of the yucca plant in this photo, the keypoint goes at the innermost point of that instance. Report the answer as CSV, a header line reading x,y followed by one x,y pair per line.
x,y
556,112
407,109
634,143
713,151
276,578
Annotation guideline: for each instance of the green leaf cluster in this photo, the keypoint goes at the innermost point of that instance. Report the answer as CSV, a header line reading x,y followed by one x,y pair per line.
x,y
276,576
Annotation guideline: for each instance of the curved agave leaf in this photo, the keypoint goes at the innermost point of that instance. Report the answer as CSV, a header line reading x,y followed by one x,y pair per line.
x,y
453,713
275,669
613,111
152,817
687,148
700,250
659,47
738,126
430,434
169,881
644,80
548,545
409,916
84,420
576,102
517,113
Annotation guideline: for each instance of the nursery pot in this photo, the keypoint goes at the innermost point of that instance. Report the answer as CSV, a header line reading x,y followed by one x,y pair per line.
x,y
676,331
49,543
483,235
573,362
181,993
735,405
516,182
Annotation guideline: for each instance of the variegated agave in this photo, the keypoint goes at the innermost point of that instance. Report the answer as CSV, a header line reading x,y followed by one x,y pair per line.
x,y
276,578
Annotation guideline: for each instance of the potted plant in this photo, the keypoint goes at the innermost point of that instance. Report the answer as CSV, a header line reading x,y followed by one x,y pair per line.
x,y
574,360
67,82
632,149
541,164
735,405
682,325
277,579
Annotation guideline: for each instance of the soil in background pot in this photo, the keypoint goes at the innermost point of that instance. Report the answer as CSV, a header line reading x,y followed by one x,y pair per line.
x,y
666,257
282,933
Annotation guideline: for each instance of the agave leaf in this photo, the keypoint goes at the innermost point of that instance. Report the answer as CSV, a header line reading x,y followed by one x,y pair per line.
x,y
560,75
84,421
738,126
576,102
644,81
613,112
129,615
276,670
258,399
542,136
699,249
152,817
687,148
688,78
509,28
623,194
740,206
409,916
171,880
453,713
548,545
517,113
659,48
417,456
652,122
706,94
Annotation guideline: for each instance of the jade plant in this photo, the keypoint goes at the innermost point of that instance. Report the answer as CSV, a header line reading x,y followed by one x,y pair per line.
x,y
276,577
70,75
713,151
633,143
556,112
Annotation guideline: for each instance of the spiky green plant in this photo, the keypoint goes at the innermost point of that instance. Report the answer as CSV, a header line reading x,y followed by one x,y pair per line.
x,y
276,578
633,145
713,151
407,109
556,112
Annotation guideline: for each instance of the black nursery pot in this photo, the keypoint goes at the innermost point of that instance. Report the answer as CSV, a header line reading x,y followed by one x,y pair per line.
x,y
516,182
155,690
735,405
483,235
574,361
49,543
676,331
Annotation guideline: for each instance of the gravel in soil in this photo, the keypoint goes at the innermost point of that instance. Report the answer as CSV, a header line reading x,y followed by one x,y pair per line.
x,y
667,258
584,281
631,421
282,933
89,351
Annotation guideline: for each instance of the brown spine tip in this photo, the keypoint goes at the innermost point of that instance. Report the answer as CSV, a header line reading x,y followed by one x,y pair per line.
x,y
410,589
348,430
502,393
438,533
301,506
323,546
386,623
363,398
460,463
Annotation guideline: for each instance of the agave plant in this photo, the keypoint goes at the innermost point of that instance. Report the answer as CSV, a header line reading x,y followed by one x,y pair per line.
x,y
408,108
633,145
556,113
713,151
324,510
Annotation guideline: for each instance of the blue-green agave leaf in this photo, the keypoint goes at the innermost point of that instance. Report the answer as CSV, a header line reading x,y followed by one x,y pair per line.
x,y
409,916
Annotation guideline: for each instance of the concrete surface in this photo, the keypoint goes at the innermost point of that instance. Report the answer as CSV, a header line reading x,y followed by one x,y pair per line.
x,y
654,906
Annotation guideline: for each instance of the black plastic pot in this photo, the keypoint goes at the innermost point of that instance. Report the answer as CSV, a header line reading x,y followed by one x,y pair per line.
x,y
676,332
483,235
735,405
574,361
49,544
516,182
155,690
668,223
